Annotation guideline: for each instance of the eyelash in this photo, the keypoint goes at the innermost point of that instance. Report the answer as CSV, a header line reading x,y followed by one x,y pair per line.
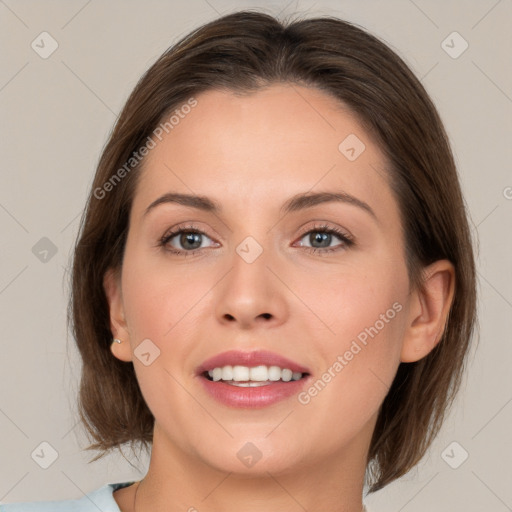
x,y
347,240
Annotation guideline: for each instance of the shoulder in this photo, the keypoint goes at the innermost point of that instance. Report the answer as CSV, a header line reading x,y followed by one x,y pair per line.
x,y
99,499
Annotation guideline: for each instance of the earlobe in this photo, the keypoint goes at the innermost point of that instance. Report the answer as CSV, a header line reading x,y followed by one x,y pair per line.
x,y
429,311
118,326
121,350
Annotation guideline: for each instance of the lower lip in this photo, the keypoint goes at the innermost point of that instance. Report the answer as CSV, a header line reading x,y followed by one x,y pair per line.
x,y
252,397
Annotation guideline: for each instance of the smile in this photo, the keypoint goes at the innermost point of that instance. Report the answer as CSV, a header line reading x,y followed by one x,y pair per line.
x,y
256,376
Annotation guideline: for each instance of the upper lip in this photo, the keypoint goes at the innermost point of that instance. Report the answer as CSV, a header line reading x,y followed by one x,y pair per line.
x,y
252,358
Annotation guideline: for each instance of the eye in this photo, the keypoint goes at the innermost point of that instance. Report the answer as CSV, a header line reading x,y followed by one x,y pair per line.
x,y
320,239
184,240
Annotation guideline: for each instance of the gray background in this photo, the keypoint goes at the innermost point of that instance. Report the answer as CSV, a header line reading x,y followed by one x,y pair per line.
x,y
56,115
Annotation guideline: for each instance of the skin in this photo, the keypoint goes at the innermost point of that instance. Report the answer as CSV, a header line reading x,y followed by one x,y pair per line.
x,y
251,154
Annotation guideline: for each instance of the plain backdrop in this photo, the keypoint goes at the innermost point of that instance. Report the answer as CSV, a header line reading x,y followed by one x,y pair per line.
x,y
56,113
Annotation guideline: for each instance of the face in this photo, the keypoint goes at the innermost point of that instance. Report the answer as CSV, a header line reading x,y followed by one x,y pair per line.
x,y
323,283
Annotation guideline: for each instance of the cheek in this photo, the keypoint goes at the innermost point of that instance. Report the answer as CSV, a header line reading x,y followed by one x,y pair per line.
x,y
158,296
356,301
365,312
361,363
158,301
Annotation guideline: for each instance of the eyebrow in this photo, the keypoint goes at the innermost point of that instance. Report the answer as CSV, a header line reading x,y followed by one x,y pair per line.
x,y
294,204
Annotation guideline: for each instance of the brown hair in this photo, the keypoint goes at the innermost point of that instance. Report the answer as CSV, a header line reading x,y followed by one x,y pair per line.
x,y
243,52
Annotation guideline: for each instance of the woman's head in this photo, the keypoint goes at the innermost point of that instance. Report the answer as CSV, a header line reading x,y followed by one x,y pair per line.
x,y
263,121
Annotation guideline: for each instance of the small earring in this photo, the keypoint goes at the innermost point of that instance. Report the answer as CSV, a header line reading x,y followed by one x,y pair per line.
x,y
117,340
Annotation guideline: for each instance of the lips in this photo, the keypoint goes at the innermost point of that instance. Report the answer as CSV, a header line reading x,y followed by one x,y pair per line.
x,y
251,395
253,358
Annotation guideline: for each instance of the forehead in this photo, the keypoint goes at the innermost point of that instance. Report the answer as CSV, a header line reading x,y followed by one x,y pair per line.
x,y
255,149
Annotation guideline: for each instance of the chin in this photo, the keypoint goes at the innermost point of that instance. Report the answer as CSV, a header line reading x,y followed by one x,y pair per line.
x,y
254,458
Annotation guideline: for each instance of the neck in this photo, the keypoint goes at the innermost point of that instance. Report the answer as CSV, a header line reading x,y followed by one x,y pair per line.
x,y
180,481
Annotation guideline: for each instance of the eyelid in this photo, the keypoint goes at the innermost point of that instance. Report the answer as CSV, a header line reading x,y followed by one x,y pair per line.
x,y
185,226
324,226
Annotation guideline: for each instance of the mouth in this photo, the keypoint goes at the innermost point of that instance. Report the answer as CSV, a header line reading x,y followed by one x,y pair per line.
x,y
252,379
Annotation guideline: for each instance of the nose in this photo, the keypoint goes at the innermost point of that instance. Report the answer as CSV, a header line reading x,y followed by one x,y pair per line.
x,y
251,296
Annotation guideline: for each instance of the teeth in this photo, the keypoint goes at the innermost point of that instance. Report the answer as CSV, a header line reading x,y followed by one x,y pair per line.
x,y
248,377
240,373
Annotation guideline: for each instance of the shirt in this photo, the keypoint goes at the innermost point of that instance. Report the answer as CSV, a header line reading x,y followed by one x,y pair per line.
x,y
99,499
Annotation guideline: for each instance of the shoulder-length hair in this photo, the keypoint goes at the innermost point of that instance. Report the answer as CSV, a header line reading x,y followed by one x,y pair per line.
x,y
243,52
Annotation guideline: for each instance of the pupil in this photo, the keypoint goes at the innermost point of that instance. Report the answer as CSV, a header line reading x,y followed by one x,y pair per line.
x,y
192,238
320,237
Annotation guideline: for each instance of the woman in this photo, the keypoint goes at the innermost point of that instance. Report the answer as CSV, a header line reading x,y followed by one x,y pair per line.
x,y
273,284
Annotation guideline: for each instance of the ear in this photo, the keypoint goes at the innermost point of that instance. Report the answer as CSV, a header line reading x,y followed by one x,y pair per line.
x,y
429,311
118,326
